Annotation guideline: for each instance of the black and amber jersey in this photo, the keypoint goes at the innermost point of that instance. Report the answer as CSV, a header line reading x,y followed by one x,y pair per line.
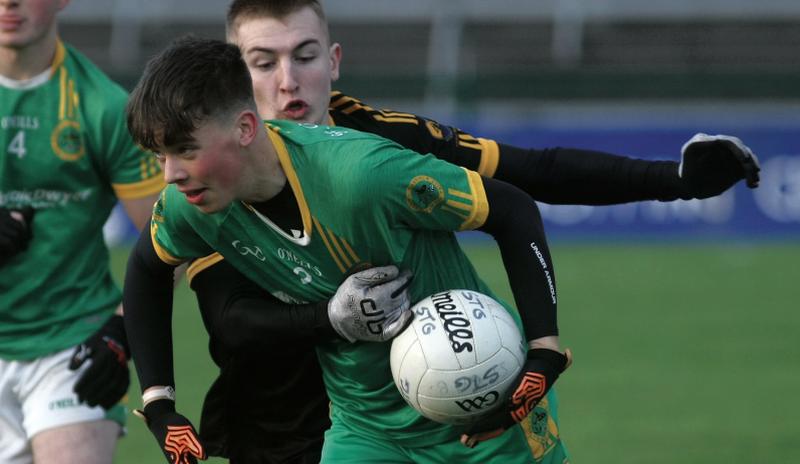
x,y
552,175
417,133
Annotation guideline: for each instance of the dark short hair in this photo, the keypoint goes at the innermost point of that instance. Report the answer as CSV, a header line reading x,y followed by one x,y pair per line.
x,y
248,9
191,81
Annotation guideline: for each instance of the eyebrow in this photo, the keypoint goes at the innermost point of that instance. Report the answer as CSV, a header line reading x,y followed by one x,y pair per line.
x,y
272,50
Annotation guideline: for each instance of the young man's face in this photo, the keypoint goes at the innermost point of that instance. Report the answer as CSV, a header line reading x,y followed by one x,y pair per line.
x,y
25,22
291,63
207,170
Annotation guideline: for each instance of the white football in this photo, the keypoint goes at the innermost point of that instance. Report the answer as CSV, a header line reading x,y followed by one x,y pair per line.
x,y
457,359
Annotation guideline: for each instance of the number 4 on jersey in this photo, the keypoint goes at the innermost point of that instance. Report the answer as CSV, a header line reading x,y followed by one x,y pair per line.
x,y
17,145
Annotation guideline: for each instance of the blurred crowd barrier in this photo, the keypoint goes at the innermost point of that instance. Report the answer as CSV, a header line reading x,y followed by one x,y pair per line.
x,y
503,68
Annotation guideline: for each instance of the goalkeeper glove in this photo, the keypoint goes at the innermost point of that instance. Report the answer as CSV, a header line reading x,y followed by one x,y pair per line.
x,y
15,231
538,375
175,434
106,379
711,164
371,305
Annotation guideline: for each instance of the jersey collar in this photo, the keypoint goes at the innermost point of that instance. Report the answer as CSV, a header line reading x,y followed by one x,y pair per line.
x,y
291,176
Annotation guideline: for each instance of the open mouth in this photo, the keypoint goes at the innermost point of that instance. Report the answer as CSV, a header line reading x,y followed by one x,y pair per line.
x,y
194,196
295,109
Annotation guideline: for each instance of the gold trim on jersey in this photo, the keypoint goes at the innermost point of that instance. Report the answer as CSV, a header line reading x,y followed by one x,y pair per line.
x,y
328,246
342,253
201,264
291,176
490,157
163,254
480,205
354,105
68,99
139,189
61,52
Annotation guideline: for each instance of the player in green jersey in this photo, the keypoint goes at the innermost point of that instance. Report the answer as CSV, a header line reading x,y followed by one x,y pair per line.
x,y
66,157
293,62
330,201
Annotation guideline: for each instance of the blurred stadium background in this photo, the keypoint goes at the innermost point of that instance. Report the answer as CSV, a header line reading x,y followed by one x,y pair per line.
x,y
683,316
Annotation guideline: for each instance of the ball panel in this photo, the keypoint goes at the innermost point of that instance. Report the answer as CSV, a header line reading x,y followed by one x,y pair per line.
x,y
412,368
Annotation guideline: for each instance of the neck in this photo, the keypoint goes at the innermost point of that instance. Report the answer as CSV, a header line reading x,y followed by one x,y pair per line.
x,y
267,177
30,60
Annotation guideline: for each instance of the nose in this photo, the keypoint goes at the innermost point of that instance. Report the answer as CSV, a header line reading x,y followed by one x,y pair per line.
x,y
174,173
288,82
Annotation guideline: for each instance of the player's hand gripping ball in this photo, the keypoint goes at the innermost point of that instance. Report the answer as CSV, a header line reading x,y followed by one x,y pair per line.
x,y
457,360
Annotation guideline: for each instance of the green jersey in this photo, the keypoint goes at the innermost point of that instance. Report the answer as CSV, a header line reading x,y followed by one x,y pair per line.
x,y
64,150
364,201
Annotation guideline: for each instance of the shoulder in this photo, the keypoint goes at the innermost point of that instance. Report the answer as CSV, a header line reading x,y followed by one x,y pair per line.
x,y
91,82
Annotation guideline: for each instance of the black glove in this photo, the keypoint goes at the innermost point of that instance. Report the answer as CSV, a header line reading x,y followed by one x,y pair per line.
x,y
711,164
14,234
538,375
175,434
106,380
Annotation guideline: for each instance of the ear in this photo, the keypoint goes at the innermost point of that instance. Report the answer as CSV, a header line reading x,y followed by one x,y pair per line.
x,y
248,123
336,58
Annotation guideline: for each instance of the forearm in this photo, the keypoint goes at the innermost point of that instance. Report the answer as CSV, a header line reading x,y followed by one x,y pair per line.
x,y
147,298
241,315
586,177
516,225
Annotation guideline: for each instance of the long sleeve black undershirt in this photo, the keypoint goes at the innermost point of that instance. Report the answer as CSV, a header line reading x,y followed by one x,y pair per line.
x,y
515,223
586,177
147,299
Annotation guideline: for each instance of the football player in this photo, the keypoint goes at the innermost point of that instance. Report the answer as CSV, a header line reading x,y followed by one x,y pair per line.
x,y
276,198
65,159
293,62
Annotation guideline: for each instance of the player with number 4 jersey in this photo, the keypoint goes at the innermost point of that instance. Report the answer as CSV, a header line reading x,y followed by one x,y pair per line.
x,y
66,159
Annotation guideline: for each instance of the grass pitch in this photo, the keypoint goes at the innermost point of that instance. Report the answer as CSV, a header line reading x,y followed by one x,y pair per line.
x,y
683,353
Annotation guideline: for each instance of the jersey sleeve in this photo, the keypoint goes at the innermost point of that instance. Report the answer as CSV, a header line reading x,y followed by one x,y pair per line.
x,y
131,171
418,133
174,239
424,192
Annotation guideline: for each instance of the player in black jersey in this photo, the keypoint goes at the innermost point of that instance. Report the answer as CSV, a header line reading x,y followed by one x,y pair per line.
x,y
251,415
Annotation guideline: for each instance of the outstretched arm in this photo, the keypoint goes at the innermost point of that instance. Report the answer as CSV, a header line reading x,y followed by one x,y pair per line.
x,y
708,165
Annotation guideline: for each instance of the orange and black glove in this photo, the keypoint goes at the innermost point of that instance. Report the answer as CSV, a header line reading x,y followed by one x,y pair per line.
x,y
538,375
175,434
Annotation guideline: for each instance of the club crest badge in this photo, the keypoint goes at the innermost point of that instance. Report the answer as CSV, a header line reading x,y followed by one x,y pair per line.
x,y
67,141
424,194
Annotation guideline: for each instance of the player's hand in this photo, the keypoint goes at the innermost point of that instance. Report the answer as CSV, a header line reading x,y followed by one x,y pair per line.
x,y
175,434
711,164
106,379
15,231
371,305
538,375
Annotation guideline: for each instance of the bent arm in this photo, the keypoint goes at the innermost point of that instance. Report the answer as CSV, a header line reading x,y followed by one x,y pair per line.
x,y
239,314
516,225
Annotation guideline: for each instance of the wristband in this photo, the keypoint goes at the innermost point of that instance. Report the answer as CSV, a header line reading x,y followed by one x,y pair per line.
x,y
158,393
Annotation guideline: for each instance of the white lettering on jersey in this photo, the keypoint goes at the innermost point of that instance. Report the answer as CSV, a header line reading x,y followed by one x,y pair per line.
x,y
245,250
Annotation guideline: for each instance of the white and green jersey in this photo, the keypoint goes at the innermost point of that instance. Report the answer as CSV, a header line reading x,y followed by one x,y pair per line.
x,y
64,150
364,201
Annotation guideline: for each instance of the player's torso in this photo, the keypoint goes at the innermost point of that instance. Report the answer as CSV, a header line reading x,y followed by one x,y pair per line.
x,y
47,162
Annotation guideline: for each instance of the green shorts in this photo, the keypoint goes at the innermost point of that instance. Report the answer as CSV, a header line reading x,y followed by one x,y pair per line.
x,y
535,440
